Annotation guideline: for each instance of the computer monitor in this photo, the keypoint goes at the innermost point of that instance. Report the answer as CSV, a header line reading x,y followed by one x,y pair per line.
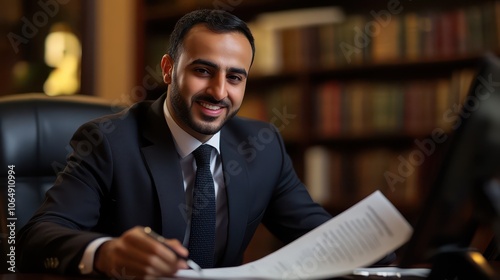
x,y
466,191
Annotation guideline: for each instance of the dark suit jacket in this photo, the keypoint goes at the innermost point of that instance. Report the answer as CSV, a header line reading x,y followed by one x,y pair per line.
x,y
125,171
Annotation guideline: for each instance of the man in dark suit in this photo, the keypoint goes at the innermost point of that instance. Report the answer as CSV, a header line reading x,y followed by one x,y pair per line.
x,y
136,169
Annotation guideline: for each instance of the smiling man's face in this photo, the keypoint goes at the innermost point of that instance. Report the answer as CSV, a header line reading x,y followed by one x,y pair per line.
x,y
207,83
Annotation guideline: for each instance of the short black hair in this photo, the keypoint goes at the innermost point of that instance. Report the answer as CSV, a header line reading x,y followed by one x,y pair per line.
x,y
218,21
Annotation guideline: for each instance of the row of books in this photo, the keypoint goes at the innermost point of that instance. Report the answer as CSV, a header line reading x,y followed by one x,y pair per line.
x,y
337,179
375,37
413,108
362,108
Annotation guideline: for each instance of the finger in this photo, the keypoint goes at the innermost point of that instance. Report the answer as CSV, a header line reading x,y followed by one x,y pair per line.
x,y
170,250
116,260
177,247
145,265
155,257
139,255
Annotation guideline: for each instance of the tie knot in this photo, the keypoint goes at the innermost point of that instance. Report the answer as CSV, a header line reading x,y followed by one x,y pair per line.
x,y
202,155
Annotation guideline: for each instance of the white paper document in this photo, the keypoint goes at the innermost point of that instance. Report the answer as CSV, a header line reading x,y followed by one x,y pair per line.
x,y
357,237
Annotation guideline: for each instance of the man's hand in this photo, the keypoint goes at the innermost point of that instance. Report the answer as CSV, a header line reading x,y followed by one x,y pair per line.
x,y
136,254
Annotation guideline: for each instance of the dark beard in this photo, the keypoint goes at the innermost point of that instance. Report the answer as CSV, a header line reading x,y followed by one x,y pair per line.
x,y
182,111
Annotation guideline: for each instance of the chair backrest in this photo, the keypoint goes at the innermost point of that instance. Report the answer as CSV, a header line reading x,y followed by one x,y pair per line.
x,y
35,130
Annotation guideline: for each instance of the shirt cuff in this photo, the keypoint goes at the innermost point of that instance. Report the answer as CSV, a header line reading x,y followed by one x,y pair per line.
x,y
86,265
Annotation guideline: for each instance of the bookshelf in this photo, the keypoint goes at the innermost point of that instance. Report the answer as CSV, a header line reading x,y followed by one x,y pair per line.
x,y
364,98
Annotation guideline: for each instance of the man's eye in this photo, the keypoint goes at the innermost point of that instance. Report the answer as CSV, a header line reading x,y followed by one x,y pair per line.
x,y
234,78
202,71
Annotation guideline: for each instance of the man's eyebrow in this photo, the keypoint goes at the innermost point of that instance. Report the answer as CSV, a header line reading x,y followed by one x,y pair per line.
x,y
238,70
213,65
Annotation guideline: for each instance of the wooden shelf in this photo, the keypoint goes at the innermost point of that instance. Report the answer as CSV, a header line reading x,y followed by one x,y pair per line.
x,y
246,10
424,67
394,140
169,12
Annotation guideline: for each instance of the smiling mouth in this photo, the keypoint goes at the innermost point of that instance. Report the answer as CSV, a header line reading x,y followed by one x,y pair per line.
x,y
210,106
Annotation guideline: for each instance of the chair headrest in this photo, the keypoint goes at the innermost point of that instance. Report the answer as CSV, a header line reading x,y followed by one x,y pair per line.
x,y
35,129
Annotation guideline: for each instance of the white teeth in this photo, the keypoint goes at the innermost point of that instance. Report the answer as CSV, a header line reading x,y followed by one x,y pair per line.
x,y
210,107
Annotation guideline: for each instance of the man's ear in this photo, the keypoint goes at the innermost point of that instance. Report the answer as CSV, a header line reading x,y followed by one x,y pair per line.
x,y
167,67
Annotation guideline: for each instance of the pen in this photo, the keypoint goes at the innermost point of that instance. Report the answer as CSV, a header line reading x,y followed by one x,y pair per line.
x,y
193,265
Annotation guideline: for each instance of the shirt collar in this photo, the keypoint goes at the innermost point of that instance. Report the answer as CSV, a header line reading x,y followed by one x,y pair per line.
x,y
184,142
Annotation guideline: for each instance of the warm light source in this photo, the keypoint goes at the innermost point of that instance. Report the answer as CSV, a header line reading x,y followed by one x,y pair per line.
x,y
63,52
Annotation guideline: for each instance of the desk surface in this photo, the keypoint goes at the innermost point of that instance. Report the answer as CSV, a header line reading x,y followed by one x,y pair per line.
x,y
27,276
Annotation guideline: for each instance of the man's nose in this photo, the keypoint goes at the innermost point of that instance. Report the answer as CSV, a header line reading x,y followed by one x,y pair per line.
x,y
217,87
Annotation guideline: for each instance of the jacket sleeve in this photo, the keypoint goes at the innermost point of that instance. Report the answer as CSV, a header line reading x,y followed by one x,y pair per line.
x,y
56,236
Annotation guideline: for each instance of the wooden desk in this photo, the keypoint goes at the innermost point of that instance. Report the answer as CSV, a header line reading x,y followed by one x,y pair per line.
x,y
27,276
37,276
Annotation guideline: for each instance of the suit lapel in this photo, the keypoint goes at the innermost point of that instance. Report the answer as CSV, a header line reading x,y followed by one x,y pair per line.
x,y
163,161
236,180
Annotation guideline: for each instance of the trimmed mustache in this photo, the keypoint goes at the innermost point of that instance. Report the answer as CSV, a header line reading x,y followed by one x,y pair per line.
x,y
210,99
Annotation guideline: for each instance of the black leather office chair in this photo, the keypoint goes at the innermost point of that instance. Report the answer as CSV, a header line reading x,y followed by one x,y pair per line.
x,y
35,130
